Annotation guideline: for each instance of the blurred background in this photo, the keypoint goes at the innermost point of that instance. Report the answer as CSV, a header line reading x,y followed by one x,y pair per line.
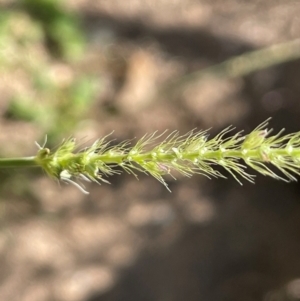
x,y
85,68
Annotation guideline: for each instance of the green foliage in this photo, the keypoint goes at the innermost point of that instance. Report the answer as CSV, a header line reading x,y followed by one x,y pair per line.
x,y
62,29
54,94
60,109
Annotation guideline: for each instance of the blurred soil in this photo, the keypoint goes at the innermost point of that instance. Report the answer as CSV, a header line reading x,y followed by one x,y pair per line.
x,y
133,240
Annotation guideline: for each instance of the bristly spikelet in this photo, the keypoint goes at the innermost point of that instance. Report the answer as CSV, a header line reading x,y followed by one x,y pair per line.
x,y
192,153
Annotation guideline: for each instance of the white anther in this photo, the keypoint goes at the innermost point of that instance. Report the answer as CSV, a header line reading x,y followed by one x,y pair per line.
x,y
203,151
65,176
244,151
154,154
290,149
176,151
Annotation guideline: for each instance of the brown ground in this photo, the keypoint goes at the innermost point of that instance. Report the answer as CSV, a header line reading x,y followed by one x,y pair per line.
x,y
133,240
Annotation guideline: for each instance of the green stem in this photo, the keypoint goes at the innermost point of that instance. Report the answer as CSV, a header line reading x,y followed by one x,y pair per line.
x,y
242,65
207,155
161,157
18,162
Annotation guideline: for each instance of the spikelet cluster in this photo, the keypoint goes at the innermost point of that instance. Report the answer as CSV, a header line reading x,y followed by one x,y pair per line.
x,y
277,156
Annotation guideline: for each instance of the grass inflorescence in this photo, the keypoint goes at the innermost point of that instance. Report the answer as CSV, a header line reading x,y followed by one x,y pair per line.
x,y
277,156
